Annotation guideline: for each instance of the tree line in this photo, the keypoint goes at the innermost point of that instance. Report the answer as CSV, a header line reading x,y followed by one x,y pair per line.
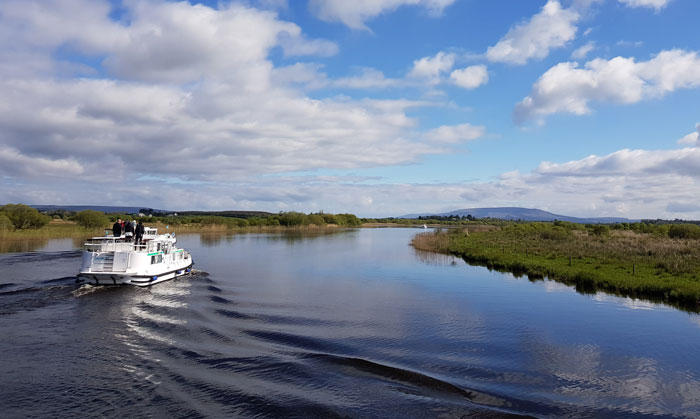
x,y
22,217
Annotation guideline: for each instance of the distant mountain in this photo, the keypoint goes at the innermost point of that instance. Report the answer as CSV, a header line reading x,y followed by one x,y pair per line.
x,y
103,208
525,214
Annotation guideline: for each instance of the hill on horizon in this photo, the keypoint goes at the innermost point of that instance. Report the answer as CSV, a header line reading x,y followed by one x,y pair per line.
x,y
524,214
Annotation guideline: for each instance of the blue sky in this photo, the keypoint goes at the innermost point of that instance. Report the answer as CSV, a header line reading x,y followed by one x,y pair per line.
x,y
580,107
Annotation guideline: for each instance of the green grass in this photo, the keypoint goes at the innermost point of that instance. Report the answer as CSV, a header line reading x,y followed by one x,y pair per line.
x,y
624,263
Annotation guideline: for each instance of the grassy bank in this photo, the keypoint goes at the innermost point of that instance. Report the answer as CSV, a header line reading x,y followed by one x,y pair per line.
x,y
627,263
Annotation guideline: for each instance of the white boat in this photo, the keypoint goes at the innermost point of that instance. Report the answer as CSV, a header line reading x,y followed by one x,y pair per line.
x,y
113,260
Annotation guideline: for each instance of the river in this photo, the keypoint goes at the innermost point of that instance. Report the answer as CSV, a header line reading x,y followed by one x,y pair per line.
x,y
351,324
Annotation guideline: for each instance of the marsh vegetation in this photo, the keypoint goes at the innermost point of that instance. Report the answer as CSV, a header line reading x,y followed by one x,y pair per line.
x,y
656,262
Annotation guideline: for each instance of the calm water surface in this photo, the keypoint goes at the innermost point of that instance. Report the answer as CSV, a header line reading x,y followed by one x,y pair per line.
x,y
350,324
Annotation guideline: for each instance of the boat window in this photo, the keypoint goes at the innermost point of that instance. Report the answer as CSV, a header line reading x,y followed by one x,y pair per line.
x,y
156,259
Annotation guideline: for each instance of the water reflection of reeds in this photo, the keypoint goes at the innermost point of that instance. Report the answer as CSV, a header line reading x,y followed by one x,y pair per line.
x,y
39,244
435,259
14,246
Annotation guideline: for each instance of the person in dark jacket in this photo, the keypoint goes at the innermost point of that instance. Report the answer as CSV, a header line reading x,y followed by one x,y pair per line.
x,y
138,233
117,228
128,230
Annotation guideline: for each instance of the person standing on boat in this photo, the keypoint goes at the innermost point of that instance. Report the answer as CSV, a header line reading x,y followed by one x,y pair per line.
x,y
117,228
128,230
138,233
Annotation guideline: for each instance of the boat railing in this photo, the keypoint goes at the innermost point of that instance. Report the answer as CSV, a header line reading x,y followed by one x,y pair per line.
x,y
114,245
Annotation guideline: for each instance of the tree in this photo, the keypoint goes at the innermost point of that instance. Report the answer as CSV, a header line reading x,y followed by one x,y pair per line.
x,y
91,219
23,216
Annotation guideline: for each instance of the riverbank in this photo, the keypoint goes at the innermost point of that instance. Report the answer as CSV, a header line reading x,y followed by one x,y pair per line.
x,y
57,229
625,263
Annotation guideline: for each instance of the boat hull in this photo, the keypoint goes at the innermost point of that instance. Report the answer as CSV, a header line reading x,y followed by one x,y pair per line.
x,y
124,278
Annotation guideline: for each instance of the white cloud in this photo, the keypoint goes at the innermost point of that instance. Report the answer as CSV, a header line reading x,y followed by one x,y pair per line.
x,y
551,28
354,14
272,4
163,41
298,45
655,4
12,163
581,52
569,89
629,44
308,75
683,207
455,133
470,77
180,43
369,78
189,94
628,183
692,138
431,68
218,131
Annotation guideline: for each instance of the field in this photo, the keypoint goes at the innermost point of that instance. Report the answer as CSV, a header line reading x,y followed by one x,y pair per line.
x,y
624,262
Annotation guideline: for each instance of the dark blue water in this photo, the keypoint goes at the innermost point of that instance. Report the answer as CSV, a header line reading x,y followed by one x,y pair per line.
x,y
351,324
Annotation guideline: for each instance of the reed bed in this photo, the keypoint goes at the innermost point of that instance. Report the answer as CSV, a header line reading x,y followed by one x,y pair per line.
x,y
61,229
68,229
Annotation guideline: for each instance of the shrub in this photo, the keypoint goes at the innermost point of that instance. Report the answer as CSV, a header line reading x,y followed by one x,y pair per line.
x,y
600,230
290,219
329,219
5,223
317,219
349,220
91,219
256,221
238,222
684,231
555,233
24,216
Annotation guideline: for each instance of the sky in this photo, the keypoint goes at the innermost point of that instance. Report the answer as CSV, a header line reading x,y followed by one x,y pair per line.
x,y
373,107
